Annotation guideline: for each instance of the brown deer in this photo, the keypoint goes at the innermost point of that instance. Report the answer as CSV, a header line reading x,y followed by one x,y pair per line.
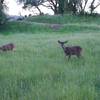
x,y
7,47
70,50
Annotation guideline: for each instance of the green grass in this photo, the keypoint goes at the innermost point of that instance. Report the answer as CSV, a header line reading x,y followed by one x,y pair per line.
x,y
64,19
44,24
38,68
35,28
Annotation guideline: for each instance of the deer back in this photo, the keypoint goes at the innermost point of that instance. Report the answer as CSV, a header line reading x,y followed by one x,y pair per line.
x,y
7,47
73,50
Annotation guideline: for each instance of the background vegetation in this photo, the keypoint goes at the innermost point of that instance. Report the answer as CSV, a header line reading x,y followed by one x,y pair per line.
x,y
52,24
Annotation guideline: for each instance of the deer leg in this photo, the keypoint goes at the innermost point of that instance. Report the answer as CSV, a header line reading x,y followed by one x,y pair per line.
x,y
69,57
78,55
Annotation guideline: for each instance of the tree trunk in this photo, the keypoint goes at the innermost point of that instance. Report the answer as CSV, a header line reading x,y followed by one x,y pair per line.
x,y
61,6
40,13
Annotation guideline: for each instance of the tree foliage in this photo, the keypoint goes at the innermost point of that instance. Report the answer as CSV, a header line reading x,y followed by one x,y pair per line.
x,y
2,15
93,6
31,3
56,5
64,6
53,4
61,6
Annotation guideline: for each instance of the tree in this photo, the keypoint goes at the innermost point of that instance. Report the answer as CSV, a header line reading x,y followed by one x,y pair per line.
x,y
2,15
56,5
83,3
82,6
31,3
93,6
71,6
64,6
79,6
61,6
52,4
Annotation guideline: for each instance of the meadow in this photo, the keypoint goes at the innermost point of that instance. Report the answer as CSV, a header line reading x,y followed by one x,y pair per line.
x,y
38,70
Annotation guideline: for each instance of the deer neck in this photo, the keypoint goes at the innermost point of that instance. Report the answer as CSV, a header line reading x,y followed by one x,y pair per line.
x,y
63,47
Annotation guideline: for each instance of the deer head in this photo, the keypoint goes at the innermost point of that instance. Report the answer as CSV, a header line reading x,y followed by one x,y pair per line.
x,y
62,43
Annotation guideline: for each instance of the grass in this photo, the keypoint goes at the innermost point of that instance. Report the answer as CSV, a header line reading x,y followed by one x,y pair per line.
x,y
44,24
39,70
64,19
35,28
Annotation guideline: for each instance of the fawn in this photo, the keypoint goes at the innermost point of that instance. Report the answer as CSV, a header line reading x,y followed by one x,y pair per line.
x,y
7,47
70,50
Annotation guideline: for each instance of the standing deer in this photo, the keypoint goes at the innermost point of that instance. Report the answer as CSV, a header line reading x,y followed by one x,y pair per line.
x,y
7,47
72,50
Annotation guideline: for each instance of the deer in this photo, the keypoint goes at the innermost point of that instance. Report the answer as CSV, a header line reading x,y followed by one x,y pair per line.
x,y
70,50
7,47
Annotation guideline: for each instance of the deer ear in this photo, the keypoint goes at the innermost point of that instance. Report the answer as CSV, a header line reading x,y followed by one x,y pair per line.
x,y
66,41
58,41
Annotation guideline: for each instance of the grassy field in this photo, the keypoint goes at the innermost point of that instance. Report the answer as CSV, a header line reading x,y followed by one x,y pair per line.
x,y
38,68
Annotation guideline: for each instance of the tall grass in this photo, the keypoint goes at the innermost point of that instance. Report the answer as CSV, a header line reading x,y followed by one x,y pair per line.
x,y
39,70
34,28
44,24
65,19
